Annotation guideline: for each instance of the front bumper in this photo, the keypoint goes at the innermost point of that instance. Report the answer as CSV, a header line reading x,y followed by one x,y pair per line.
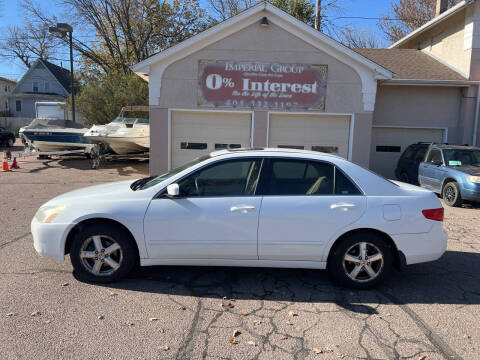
x,y
49,239
424,247
471,192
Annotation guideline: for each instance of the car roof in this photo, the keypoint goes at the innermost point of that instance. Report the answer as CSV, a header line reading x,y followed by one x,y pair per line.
x,y
448,146
272,151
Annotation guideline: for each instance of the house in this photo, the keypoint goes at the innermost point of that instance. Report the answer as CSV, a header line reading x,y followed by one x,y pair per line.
x,y
265,79
6,86
44,81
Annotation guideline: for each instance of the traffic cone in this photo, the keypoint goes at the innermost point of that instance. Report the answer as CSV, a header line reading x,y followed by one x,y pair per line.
x,y
5,163
14,164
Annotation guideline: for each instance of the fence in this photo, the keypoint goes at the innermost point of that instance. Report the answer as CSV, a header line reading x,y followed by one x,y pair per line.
x,y
14,123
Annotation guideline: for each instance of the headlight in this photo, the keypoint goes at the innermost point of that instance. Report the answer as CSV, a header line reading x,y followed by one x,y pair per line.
x,y
46,214
474,179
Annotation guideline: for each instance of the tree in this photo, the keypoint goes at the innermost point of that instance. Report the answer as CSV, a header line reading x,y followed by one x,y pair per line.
x,y
225,9
408,15
102,95
362,38
28,43
303,10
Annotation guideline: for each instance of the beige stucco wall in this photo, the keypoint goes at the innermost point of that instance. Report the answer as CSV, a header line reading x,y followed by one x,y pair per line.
x,y
424,106
255,43
179,86
446,41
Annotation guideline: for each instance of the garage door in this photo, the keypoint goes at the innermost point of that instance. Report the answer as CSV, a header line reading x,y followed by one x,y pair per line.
x,y
389,143
326,133
198,133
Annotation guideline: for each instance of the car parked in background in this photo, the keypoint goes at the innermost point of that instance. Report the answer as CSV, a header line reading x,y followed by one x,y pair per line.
x,y
7,137
261,207
452,171
407,166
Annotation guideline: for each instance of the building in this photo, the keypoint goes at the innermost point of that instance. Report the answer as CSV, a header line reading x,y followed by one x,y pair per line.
x,y
6,86
264,78
44,81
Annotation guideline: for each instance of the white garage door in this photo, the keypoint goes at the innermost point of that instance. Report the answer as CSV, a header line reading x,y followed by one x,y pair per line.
x,y
326,133
198,133
388,145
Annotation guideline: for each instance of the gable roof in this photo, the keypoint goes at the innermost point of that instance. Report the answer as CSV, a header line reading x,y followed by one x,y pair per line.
x,y
62,74
7,80
246,18
436,20
411,64
59,73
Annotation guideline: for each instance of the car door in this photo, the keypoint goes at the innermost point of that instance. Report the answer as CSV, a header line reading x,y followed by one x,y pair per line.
x,y
305,203
430,170
215,216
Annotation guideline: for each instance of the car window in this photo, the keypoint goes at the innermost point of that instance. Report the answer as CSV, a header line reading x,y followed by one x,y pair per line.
x,y
343,185
420,154
434,156
227,178
299,177
458,157
409,152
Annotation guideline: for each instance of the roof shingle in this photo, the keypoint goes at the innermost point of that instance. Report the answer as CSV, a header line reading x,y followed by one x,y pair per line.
x,y
411,64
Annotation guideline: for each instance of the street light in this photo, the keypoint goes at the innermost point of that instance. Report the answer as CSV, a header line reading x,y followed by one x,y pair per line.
x,y
62,29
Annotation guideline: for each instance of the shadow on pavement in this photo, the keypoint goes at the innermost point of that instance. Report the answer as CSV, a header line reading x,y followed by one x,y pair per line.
x,y
124,167
454,279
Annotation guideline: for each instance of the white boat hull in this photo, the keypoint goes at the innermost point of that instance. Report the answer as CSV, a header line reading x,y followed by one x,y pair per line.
x,y
128,145
50,146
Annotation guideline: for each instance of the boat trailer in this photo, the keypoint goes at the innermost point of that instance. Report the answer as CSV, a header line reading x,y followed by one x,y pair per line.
x,y
100,154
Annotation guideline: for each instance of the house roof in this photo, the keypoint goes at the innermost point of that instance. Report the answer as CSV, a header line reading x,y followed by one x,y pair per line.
x,y
7,80
246,18
411,64
59,73
436,20
62,75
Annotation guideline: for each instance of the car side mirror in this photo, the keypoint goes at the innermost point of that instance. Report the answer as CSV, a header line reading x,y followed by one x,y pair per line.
x,y
173,190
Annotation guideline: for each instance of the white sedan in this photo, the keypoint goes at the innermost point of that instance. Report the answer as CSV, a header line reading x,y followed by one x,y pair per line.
x,y
261,207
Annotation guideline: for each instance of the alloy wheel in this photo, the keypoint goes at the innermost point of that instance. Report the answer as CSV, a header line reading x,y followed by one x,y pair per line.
x,y
450,194
101,255
363,262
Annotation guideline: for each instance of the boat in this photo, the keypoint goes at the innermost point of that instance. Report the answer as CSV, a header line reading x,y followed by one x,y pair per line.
x,y
47,135
132,136
124,135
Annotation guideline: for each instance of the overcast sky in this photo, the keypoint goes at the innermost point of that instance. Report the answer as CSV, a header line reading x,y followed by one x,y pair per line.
x,y
11,14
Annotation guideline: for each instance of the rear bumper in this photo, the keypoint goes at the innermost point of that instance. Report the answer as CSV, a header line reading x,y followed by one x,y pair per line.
x,y
424,247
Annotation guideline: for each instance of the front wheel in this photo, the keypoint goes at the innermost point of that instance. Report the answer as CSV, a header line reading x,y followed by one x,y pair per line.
x,y
102,253
451,194
360,261
10,142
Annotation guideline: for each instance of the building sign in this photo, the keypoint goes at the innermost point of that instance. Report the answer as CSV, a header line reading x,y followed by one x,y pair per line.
x,y
265,85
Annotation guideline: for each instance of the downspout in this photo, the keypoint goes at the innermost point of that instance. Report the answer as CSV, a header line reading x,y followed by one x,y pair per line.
x,y
475,121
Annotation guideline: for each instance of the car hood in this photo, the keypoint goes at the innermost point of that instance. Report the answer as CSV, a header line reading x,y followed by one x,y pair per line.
x,y
112,190
468,169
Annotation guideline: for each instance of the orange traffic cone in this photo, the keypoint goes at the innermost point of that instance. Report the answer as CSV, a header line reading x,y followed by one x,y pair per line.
x,y
5,163
14,164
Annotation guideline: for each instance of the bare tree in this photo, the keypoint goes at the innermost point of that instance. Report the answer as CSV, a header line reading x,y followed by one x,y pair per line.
x,y
355,38
28,43
225,9
408,15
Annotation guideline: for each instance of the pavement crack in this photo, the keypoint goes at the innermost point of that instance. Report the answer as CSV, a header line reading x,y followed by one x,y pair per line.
x,y
18,238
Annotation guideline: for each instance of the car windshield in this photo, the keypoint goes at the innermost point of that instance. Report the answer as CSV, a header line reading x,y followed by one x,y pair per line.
x,y
157,179
459,157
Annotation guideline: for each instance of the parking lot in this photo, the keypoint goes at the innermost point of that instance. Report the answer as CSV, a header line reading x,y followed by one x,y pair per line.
x,y
429,311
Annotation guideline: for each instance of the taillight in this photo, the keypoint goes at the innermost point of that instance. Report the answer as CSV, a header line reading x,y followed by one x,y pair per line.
x,y
433,214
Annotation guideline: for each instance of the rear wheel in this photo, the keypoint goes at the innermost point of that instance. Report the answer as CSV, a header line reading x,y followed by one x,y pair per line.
x,y
360,261
451,194
102,253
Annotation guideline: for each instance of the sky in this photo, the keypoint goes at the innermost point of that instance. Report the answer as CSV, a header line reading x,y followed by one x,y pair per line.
x,y
11,14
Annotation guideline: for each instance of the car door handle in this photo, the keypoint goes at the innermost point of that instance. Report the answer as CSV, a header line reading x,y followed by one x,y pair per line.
x,y
342,206
243,208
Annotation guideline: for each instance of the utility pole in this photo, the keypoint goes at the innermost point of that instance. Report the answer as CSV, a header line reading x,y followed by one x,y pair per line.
x,y
318,20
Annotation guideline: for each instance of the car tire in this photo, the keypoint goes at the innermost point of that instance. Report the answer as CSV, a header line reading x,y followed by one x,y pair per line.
x,y
451,194
404,178
349,268
10,142
102,253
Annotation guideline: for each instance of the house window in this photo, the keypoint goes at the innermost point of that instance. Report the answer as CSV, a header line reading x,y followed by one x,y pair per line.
x,y
47,87
35,86
18,105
